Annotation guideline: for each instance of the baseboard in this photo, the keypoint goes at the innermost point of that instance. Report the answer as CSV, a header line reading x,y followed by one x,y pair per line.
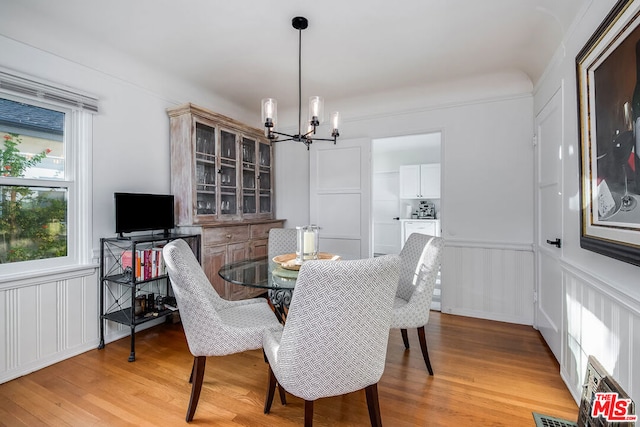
x,y
498,317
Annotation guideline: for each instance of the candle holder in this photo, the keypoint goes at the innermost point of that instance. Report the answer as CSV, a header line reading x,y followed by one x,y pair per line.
x,y
306,243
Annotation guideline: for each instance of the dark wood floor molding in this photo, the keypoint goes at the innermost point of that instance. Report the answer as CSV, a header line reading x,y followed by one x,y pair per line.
x,y
485,374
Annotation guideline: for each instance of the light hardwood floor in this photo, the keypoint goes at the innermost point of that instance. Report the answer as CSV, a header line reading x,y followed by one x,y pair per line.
x,y
486,374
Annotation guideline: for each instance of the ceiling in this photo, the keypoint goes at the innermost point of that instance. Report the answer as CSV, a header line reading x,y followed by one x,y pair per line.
x,y
246,50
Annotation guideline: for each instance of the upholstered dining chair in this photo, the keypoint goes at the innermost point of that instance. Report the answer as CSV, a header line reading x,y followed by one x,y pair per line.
x,y
213,326
419,265
281,241
335,338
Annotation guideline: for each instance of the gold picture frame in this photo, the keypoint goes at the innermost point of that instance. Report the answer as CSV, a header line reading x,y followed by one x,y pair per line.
x,y
608,82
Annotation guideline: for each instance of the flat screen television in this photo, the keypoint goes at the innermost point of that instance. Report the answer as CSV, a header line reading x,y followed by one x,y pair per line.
x,y
144,212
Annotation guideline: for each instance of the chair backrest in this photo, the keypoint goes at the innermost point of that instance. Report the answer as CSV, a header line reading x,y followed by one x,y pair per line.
x,y
197,300
420,259
335,337
282,241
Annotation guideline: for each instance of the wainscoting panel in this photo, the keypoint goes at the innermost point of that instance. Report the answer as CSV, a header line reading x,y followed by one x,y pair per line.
x,y
600,322
488,280
45,320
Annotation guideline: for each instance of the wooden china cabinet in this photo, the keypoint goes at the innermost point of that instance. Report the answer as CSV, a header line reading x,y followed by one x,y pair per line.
x,y
222,182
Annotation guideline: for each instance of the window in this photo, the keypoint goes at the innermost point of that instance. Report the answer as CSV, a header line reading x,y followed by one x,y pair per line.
x,y
33,217
44,176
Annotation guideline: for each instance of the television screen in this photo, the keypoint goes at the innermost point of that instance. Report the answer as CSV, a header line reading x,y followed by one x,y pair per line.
x,y
143,212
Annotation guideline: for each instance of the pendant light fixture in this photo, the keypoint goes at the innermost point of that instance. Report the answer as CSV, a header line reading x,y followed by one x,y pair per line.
x,y
316,106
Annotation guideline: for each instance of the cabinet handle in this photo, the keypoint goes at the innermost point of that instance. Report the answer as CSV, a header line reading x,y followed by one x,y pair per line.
x,y
228,236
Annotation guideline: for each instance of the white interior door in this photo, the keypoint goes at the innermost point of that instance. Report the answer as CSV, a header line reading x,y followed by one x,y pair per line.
x,y
386,213
340,196
549,306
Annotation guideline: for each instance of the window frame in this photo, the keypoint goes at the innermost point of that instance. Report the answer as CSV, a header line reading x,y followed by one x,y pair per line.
x,y
78,132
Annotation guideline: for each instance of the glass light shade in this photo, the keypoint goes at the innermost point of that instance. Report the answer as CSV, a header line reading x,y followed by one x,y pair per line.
x,y
335,121
269,110
316,109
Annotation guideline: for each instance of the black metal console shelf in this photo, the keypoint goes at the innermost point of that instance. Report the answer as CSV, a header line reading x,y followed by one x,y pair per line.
x,y
122,285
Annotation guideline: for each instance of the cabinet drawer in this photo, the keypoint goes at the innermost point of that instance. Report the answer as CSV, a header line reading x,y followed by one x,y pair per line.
x,y
420,227
429,227
227,234
261,231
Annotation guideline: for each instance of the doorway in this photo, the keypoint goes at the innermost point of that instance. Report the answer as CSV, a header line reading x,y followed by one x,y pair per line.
x,y
388,209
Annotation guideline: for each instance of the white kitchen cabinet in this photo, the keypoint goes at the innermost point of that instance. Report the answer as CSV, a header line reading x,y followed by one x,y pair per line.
x,y
420,181
422,226
409,181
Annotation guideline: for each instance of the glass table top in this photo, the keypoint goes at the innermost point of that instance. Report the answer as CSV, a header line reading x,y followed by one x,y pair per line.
x,y
259,273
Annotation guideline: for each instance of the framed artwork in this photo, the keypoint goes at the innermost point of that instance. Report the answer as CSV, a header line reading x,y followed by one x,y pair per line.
x,y
608,77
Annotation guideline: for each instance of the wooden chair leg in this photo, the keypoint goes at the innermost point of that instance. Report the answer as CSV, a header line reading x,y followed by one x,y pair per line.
x,y
283,395
423,346
308,413
283,398
193,368
373,405
198,377
271,388
405,338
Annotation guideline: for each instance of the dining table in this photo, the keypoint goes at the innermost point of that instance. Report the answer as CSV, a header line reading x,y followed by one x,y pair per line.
x,y
278,279
266,274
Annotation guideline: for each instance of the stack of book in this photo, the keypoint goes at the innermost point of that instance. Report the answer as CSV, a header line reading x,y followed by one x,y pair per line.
x,y
144,264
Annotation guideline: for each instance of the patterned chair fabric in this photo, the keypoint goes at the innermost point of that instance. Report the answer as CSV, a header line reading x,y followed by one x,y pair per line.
x,y
335,338
282,241
419,266
213,326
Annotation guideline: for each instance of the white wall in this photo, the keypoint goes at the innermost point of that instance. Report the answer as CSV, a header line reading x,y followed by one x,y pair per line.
x,y
291,163
601,294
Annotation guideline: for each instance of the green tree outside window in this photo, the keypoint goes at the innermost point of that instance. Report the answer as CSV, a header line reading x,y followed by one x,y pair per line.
x,y
32,219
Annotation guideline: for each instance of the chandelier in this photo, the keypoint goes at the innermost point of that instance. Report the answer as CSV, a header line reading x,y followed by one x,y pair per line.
x,y
316,106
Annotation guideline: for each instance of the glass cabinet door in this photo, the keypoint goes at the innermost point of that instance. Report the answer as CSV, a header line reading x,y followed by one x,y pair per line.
x,y
227,172
221,170
264,177
248,176
205,169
